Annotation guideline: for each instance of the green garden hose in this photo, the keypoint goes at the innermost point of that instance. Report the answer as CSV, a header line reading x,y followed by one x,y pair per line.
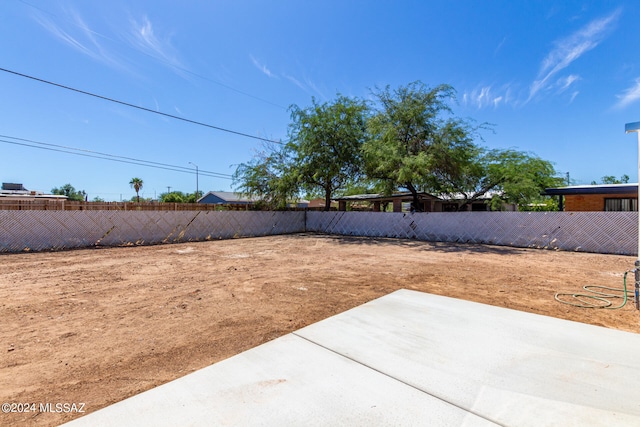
x,y
598,299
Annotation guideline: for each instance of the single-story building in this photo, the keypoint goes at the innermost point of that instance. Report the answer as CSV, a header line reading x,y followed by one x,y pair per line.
x,y
227,198
401,202
380,201
238,201
12,191
603,197
319,204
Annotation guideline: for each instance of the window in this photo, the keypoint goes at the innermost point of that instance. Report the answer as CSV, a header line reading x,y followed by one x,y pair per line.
x,y
620,205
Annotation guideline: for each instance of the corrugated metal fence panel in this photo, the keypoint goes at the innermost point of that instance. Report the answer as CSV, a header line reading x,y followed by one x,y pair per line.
x,y
55,230
599,232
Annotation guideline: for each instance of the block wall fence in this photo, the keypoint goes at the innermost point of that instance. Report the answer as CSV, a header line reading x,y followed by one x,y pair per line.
x,y
598,232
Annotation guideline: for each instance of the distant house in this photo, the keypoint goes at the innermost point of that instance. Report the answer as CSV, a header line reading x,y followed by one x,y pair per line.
x,y
237,201
401,202
226,198
604,197
299,204
12,191
319,204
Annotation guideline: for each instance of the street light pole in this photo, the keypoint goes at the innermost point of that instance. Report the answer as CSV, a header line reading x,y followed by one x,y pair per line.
x,y
628,128
197,188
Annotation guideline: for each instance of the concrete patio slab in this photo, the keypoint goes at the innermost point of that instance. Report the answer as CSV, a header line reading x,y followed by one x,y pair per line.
x,y
512,367
409,358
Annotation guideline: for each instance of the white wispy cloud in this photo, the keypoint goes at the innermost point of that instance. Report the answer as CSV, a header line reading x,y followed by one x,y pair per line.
x,y
629,96
73,31
308,86
499,47
571,48
487,96
563,83
262,67
305,84
573,96
144,38
315,89
295,81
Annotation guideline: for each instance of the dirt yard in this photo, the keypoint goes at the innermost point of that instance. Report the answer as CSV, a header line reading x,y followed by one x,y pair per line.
x,y
96,326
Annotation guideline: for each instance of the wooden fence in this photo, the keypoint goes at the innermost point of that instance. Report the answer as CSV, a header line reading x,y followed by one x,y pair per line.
x,y
67,205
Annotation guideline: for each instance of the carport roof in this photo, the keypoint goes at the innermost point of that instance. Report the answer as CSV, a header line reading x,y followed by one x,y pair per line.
x,y
381,197
592,189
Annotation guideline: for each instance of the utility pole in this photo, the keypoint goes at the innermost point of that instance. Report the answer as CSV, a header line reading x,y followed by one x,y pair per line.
x,y
168,189
629,128
197,189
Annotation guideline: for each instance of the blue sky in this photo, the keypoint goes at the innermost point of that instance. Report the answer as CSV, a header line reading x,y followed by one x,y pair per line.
x,y
556,78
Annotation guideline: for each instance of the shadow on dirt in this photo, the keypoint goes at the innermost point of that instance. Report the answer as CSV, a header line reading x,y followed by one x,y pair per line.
x,y
449,247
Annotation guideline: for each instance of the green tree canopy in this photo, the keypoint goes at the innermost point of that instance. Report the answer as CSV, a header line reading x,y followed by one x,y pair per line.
x,y
179,197
136,199
413,143
193,197
610,179
172,197
325,142
506,175
69,191
322,156
267,177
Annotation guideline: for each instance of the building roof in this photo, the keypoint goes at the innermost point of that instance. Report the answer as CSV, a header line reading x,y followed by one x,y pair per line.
x,y
225,197
231,198
381,197
9,186
24,196
406,195
11,191
592,189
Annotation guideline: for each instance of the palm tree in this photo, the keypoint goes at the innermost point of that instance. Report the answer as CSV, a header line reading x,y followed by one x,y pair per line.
x,y
136,184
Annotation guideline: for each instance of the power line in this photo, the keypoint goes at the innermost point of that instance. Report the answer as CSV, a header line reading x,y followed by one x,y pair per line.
x,y
110,157
175,168
222,175
138,107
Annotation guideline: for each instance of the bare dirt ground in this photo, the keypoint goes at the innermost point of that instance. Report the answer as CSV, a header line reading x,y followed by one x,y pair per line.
x,y
96,326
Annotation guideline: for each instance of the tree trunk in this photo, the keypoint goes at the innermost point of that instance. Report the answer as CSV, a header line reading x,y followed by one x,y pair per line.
x,y
327,199
415,204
